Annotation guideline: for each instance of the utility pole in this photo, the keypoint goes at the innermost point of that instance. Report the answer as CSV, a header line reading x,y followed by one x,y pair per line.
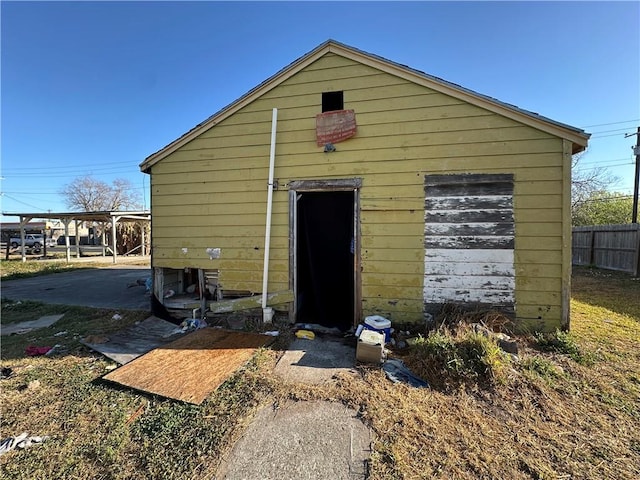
x,y
636,151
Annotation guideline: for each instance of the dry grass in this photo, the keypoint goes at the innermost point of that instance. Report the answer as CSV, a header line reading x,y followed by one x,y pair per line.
x,y
549,416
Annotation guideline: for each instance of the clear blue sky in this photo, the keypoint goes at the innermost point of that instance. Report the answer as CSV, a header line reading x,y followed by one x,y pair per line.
x,y
94,88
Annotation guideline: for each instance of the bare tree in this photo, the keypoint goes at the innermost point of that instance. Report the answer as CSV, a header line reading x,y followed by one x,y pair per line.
x,y
585,183
91,195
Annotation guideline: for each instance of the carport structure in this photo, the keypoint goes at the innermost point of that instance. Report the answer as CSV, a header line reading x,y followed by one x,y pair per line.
x,y
104,217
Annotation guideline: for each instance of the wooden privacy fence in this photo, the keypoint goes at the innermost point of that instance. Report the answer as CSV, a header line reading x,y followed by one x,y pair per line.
x,y
614,247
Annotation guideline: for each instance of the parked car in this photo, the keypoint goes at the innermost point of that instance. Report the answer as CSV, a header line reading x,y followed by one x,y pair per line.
x,y
84,240
32,240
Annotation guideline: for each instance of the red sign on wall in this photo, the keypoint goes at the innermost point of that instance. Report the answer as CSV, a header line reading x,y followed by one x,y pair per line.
x,y
334,127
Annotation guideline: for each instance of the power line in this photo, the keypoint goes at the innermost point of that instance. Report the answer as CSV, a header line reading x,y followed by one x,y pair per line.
x,y
609,135
23,203
67,174
611,160
610,131
578,169
72,166
49,192
612,123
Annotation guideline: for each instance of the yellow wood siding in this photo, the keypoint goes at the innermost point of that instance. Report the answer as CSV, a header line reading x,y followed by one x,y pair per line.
x,y
212,191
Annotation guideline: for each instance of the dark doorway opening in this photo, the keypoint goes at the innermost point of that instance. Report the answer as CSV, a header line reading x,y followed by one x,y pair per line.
x,y
325,258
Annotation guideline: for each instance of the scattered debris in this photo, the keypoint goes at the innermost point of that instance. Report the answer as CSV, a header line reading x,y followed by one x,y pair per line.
x,y
141,282
397,372
20,441
34,351
136,414
504,341
116,316
188,325
57,348
5,372
305,334
33,385
318,328
113,366
59,334
273,333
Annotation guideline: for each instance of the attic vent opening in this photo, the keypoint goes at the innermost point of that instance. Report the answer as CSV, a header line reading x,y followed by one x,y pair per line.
x,y
332,101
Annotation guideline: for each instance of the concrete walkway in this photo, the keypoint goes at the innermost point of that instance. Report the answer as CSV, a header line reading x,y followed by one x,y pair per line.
x,y
316,361
301,440
305,440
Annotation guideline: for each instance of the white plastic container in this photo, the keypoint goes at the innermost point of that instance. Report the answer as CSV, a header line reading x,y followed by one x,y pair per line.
x,y
380,324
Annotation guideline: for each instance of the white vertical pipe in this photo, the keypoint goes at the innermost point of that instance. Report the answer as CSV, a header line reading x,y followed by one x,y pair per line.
x,y
114,237
267,235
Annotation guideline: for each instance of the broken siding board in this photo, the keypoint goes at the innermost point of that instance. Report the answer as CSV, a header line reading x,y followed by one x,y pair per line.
x,y
247,303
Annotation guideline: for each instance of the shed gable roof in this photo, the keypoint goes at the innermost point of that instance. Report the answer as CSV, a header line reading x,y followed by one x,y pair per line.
x,y
577,136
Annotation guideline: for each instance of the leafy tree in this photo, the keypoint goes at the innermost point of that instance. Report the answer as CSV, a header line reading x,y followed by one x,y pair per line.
x,y
91,195
602,208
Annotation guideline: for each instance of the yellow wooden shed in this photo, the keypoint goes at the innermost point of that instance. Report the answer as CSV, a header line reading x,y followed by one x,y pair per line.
x,y
394,193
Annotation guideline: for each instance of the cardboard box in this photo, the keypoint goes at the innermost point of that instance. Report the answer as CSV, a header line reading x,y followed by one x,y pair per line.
x,y
370,347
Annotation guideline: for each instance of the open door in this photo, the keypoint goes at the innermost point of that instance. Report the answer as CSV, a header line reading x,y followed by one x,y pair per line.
x,y
325,262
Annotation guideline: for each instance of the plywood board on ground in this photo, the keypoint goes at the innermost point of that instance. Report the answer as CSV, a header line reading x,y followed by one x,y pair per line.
x,y
191,367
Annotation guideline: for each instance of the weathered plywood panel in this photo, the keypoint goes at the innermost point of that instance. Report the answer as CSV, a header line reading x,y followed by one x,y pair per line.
x,y
451,227
190,368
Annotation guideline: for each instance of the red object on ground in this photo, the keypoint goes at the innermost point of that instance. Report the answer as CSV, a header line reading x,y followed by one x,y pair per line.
x,y
34,351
